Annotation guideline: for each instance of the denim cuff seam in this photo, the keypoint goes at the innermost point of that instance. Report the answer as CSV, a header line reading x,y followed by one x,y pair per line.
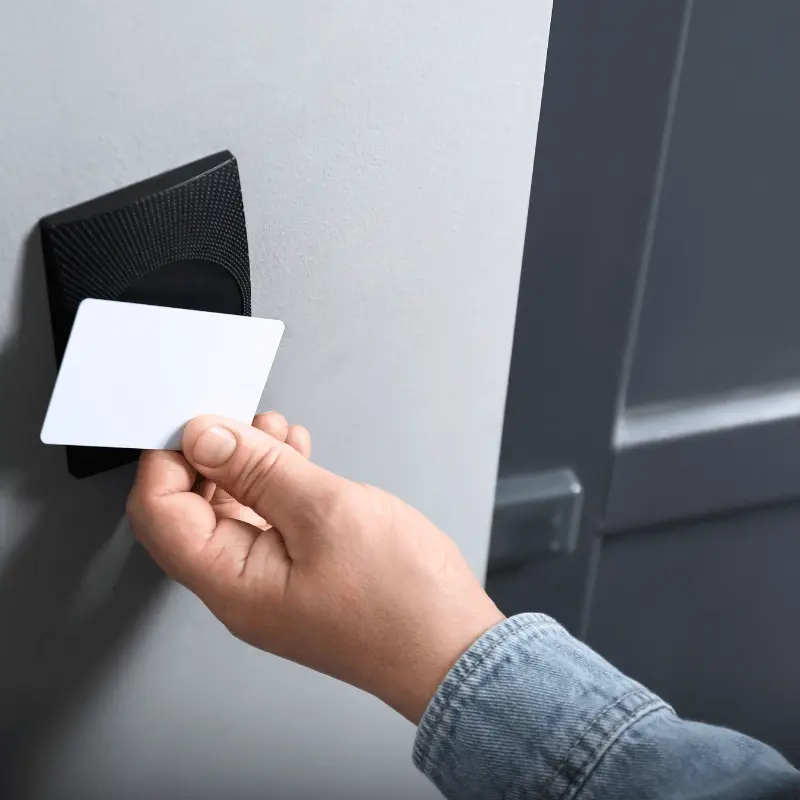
x,y
596,739
537,625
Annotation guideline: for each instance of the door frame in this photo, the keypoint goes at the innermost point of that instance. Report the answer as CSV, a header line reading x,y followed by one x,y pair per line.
x,y
610,82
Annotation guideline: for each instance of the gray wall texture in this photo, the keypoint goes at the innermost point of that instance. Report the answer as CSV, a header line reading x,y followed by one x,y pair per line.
x,y
385,152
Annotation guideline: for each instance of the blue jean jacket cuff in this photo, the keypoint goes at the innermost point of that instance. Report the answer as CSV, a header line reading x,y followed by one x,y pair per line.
x,y
526,693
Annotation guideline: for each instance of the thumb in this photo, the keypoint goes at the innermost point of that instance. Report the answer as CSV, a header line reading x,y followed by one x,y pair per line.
x,y
259,471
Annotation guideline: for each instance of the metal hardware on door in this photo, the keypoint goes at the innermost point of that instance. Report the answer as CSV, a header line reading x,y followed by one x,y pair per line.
x,y
535,515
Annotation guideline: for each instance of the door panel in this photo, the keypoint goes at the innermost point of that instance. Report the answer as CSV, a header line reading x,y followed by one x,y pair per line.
x,y
703,457
597,152
712,407
720,306
705,614
656,350
701,603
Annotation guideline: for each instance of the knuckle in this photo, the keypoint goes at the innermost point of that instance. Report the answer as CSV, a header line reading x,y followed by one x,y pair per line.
x,y
334,508
273,423
342,508
380,505
276,419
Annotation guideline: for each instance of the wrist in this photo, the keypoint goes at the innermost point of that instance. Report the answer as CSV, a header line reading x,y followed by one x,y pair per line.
x,y
410,689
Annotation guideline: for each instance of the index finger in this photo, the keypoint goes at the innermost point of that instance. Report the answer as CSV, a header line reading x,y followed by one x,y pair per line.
x,y
172,522
163,472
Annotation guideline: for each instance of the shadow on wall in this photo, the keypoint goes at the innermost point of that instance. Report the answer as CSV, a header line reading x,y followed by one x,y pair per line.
x,y
72,582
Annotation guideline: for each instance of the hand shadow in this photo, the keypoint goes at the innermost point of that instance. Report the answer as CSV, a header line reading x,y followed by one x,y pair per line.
x,y
72,582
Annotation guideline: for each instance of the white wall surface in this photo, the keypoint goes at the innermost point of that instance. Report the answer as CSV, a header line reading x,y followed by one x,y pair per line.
x,y
385,152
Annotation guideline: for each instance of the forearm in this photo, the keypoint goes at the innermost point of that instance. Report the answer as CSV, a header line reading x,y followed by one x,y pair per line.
x,y
528,711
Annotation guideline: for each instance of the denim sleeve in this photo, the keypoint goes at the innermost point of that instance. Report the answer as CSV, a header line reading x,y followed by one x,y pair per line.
x,y
530,712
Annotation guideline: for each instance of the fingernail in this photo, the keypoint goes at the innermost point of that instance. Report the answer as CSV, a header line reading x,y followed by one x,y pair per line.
x,y
214,447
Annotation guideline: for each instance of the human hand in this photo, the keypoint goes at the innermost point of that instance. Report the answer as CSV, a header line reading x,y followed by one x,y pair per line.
x,y
337,576
227,507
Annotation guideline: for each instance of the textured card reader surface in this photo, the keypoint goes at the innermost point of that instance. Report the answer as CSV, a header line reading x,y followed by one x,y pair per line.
x,y
177,239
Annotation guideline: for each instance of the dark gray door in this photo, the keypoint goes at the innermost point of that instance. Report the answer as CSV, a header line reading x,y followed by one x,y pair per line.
x,y
657,350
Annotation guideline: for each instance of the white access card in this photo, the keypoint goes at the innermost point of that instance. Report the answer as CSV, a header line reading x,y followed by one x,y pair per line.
x,y
134,375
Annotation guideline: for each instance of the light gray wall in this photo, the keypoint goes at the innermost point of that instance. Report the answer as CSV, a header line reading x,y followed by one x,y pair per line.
x,y
385,152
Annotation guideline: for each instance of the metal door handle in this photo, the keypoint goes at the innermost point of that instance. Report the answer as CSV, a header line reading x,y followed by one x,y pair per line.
x,y
535,515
